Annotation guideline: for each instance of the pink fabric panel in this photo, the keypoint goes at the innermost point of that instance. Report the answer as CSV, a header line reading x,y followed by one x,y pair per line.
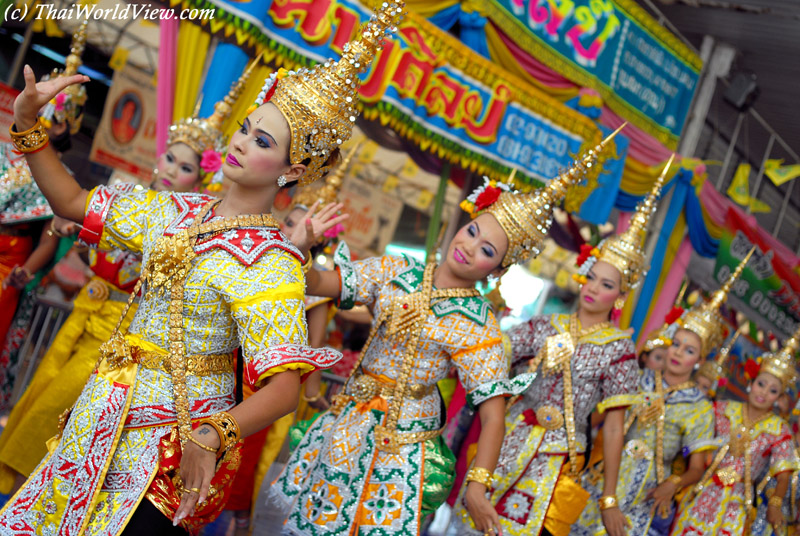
x,y
534,67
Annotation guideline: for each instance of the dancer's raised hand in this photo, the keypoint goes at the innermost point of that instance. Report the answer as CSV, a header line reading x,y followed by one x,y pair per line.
x,y
35,95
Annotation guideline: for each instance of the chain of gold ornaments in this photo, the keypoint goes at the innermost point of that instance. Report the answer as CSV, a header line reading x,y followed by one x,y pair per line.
x,y
168,265
405,317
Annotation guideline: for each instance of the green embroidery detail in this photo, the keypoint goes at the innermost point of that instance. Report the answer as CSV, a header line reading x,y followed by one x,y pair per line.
x,y
476,308
349,277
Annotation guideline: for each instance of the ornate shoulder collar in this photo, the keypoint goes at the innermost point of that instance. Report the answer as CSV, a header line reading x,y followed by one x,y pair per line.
x,y
771,424
690,395
600,337
476,308
247,243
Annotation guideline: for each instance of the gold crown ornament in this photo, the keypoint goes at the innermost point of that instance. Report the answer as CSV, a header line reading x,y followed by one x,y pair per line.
x,y
328,192
781,364
526,218
320,104
204,136
705,319
662,337
68,105
625,251
713,369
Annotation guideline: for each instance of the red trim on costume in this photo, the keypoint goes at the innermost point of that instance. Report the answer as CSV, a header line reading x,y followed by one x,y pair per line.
x,y
622,359
258,367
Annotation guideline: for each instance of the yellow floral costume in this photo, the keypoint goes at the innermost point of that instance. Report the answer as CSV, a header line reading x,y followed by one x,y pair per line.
x,y
688,425
244,289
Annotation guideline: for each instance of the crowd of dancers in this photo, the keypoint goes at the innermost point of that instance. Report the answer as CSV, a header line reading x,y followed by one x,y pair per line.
x,y
149,411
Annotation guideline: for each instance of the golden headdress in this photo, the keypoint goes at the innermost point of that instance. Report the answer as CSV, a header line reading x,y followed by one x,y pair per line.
x,y
328,192
713,369
68,104
320,104
781,364
526,218
662,337
206,134
705,319
625,251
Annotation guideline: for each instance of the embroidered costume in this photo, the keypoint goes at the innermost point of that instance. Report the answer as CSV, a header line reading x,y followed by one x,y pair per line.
x,y
342,477
719,503
661,424
243,288
71,358
529,486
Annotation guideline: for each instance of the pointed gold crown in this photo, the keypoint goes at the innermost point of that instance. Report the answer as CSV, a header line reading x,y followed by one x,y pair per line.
x,y
781,364
705,319
68,105
320,104
328,192
526,218
204,134
713,369
625,252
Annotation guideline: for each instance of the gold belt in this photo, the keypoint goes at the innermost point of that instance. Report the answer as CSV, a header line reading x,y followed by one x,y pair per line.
x,y
727,476
196,365
366,387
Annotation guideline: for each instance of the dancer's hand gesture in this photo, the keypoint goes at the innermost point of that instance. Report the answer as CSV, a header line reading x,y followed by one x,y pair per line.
x,y
35,95
315,224
197,468
615,522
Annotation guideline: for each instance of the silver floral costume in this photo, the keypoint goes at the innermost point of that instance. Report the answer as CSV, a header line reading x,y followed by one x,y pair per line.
x,y
340,480
535,449
244,289
688,425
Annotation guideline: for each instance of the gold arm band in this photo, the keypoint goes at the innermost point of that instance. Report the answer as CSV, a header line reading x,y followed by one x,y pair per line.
x,y
31,140
607,502
227,428
309,263
481,476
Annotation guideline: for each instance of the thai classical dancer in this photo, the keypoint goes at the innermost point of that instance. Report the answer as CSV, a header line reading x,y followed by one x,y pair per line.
x,y
157,420
752,442
376,462
191,158
670,417
584,362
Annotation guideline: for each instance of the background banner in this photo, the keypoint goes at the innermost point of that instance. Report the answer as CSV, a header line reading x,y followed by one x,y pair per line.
x,y
641,70
7,96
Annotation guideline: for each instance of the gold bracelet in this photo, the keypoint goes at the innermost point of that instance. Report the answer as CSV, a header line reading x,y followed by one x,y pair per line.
x,y
481,476
607,502
311,399
675,479
308,264
227,428
31,140
776,501
203,446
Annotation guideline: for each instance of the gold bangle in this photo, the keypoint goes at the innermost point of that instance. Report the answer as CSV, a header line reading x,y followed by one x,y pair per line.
x,y
227,428
607,502
308,264
776,501
675,479
203,446
481,476
311,399
31,140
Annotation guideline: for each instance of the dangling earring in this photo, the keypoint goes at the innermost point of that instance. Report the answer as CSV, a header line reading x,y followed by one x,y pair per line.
x,y
748,388
492,279
619,303
155,173
281,181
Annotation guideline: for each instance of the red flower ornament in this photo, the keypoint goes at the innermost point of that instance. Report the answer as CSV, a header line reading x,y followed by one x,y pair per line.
x,y
487,197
